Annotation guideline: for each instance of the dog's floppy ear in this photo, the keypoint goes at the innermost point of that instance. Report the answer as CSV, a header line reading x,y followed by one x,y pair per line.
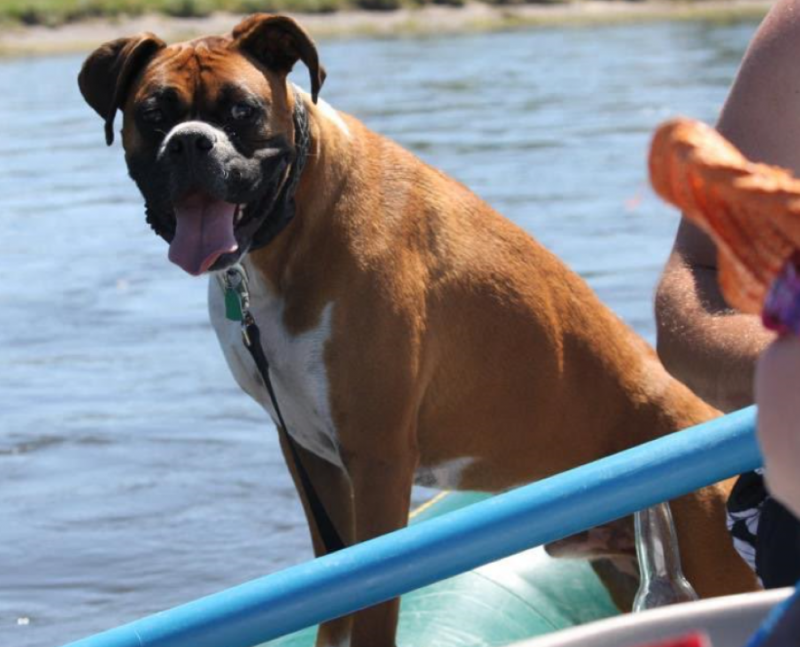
x,y
279,42
108,72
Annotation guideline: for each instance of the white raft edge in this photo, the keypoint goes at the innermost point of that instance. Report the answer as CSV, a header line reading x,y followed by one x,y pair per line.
x,y
728,621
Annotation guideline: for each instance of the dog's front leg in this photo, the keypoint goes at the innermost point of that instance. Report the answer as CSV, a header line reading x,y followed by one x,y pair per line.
x,y
382,483
333,489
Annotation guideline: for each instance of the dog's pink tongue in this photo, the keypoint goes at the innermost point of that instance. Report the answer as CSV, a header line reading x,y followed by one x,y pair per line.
x,y
204,232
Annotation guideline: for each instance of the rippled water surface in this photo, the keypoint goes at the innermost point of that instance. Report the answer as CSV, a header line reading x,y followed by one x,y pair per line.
x,y
133,473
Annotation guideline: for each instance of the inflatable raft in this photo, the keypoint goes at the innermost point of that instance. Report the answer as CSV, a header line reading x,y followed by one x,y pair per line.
x,y
454,592
532,600
514,599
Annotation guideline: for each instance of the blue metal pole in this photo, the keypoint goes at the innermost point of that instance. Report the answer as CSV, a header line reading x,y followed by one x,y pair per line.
x,y
394,564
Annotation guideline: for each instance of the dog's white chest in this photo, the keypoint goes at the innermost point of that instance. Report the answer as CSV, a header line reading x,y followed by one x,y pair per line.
x,y
297,366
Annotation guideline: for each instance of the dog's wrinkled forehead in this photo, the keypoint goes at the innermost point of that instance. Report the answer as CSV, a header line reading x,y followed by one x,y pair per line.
x,y
202,73
196,79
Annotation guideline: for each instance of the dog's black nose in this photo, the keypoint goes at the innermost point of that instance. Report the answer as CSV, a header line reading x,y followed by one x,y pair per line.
x,y
190,141
175,146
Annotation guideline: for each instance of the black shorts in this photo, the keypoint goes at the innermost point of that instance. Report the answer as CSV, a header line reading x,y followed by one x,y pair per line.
x,y
765,533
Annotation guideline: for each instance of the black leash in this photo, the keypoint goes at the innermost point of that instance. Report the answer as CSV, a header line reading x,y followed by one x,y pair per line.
x,y
237,308
277,215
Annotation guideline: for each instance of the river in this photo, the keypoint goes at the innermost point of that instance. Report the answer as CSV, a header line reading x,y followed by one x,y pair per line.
x,y
134,475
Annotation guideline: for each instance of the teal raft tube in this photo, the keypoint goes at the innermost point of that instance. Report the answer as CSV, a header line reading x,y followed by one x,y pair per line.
x,y
516,598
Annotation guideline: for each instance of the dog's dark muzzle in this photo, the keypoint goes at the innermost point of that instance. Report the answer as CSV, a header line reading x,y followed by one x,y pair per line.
x,y
196,157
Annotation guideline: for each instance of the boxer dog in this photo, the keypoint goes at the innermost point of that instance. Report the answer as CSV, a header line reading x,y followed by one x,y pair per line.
x,y
413,332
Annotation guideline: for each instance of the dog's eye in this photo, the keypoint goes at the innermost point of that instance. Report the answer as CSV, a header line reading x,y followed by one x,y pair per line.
x,y
153,116
242,111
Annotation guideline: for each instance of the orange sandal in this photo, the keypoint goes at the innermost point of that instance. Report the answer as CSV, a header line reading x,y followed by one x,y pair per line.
x,y
752,211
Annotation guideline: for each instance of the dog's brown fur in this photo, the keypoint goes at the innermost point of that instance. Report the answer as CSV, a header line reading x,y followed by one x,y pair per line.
x,y
454,334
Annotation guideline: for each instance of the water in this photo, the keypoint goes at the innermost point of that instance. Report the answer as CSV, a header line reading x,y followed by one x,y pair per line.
x,y
134,475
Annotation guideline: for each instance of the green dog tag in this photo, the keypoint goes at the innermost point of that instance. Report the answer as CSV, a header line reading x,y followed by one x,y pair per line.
x,y
233,305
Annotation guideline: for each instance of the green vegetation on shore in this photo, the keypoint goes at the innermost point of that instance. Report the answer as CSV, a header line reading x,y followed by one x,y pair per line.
x,y
506,14
56,12
86,23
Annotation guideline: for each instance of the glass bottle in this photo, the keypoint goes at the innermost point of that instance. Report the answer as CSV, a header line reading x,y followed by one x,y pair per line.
x,y
662,581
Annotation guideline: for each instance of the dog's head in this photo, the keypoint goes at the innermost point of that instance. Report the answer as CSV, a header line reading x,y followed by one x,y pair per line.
x,y
209,131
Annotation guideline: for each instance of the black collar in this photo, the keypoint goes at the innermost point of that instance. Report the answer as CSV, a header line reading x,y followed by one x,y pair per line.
x,y
283,208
